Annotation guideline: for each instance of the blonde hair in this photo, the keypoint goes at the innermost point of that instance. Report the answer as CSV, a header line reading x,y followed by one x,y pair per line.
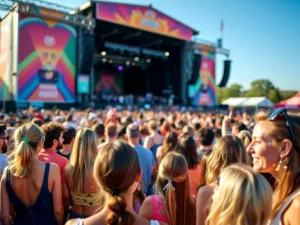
x,y
175,191
26,138
84,153
228,150
289,178
244,197
246,137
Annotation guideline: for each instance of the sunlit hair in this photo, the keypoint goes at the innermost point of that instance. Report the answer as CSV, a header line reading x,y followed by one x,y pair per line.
x,y
243,197
116,169
246,137
179,205
289,179
26,138
84,153
203,169
228,150
170,141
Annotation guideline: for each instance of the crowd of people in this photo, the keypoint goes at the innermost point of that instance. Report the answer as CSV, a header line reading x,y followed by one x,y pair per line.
x,y
121,167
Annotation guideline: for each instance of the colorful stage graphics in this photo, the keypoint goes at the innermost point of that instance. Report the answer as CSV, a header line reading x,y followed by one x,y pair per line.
x,y
47,59
203,93
144,18
109,84
5,54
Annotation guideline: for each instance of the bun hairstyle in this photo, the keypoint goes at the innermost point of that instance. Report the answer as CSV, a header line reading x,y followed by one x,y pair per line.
x,y
173,186
116,169
26,137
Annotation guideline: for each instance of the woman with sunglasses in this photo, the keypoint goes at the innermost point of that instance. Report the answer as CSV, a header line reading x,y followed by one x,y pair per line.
x,y
79,175
242,197
31,187
275,150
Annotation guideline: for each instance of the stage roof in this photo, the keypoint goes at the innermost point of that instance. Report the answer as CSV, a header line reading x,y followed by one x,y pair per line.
x,y
141,17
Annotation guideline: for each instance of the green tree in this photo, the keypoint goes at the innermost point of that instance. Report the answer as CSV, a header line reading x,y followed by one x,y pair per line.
x,y
274,95
260,88
234,90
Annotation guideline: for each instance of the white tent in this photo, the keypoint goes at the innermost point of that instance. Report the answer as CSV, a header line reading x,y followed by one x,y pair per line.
x,y
248,102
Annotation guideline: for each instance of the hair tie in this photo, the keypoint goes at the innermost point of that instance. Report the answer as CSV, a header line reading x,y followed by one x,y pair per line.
x,y
115,192
169,183
25,139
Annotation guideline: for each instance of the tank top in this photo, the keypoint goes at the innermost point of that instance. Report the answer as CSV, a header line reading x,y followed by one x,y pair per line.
x,y
157,205
41,212
287,202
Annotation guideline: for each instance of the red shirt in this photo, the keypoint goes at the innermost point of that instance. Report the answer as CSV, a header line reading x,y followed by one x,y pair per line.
x,y
52,157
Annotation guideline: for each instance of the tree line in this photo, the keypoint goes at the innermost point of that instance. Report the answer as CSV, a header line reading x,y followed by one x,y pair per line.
x,y
259,88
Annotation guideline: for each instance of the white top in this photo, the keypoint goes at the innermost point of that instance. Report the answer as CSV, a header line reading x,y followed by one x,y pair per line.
x,y
287,202
80,222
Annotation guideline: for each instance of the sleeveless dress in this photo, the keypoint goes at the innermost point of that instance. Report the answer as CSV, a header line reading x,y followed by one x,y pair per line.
x,y
157,205
41,212
287,202
80,222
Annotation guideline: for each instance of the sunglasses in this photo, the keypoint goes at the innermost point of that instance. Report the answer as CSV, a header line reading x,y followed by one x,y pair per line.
x,y
218,181
281,114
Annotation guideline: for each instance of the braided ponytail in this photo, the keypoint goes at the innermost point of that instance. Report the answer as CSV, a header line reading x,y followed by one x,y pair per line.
x,y
118,215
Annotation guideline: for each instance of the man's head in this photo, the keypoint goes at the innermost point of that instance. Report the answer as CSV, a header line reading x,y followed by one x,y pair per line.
x,y
69,136
111,131
237,127
53,133
206,136
132,131
3,138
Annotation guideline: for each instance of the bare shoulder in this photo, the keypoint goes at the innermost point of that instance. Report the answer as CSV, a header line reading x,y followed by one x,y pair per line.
x,y
148,201
71,222
205,190
54,169
292,215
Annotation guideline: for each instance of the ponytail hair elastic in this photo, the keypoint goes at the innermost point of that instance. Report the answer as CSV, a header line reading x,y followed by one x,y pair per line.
x,y
115,192
25,139
169,183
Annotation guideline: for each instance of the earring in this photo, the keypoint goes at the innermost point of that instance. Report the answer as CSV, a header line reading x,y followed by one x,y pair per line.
x,y
139,188
278,167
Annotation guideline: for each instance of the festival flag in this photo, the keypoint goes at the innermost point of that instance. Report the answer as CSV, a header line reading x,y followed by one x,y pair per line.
x,y
222,26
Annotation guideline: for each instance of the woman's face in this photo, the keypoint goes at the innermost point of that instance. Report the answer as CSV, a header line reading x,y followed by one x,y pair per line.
x,y
264,150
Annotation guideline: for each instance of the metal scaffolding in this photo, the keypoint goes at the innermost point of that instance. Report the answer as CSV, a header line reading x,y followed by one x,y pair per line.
x,y
29,6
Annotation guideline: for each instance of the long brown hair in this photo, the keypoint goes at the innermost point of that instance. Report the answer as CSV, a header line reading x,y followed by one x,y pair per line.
x,y
187,146
169,144
116,168
289,178
173,186
203,170
228,150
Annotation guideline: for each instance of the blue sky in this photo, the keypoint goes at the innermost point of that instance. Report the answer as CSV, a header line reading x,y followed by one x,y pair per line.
x,y
262,35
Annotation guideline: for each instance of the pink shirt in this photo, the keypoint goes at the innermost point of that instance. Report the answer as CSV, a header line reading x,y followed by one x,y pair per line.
x,y
52,157
194,179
